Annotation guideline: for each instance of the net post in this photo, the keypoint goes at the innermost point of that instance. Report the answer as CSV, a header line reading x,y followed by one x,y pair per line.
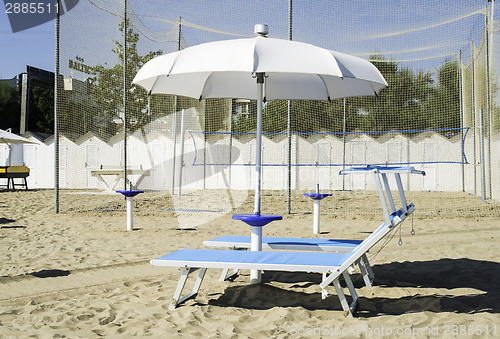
x,y
343,144
204,143
488,98
174,150
181,160
460,86
56,107
473,116
481,155
289,123
230,180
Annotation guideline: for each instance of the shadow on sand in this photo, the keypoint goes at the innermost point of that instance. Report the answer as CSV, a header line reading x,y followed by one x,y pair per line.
x,y
446,274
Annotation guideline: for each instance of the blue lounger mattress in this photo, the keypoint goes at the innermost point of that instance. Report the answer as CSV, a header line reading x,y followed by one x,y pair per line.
x,y
267,260
278,243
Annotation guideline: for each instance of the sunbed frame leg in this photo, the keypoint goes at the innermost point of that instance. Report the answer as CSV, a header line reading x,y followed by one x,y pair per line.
x,y
180,286
225,276
352,291
366,271
364,258
324,291
342,298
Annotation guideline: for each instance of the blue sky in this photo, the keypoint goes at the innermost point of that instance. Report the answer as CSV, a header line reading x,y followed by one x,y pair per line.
x,y
34,47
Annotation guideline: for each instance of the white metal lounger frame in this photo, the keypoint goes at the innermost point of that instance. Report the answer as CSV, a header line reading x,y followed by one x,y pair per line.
x,y
380,174
331,273
188,267
299,244
392,218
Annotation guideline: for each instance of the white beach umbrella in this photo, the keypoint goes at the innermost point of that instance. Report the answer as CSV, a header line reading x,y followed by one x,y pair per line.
x,y
11,138
260,68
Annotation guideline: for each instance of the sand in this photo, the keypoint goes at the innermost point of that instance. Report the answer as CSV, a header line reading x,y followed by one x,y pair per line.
x,y
80,274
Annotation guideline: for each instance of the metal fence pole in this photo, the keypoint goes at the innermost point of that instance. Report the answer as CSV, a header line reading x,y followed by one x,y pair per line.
x,y
181,160
176,105
289,125
204,143
125,118
473,118
460,85
482,155
343,149
56,108
230,143
174,151
488,99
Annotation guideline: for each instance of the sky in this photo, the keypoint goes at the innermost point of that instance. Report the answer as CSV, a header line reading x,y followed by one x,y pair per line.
x,y
33,47
326,28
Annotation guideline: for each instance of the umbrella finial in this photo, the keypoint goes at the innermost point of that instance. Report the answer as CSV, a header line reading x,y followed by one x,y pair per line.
x,y
260,30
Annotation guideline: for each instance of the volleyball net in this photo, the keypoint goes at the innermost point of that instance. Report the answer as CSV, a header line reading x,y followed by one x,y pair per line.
x,y
439,112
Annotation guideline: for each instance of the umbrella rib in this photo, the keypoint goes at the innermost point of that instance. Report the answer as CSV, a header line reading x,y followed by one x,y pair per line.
x,y
326,88
204,85
153,86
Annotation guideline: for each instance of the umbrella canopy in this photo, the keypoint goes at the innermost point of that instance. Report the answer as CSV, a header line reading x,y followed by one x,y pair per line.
x,y
227,69
11,138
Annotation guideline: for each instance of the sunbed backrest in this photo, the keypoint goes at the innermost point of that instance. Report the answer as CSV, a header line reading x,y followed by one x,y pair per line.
x,y
368,243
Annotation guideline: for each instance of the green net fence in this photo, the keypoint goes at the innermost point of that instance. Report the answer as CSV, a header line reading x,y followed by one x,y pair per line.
x,y
438,114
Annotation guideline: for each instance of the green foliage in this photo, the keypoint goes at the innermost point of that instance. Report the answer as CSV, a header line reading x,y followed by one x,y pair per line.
x,y
9,107
41,109
442,110
412,101
41,113
79,115
216,114
108,85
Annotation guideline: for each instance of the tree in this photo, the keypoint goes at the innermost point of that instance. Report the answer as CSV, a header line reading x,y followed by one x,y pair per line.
x,y
107,84
442,110
400,105
41,110
412,101
9,107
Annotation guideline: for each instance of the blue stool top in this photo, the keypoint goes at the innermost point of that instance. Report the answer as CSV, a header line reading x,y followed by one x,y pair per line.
x,y
130,193
317,196
257,220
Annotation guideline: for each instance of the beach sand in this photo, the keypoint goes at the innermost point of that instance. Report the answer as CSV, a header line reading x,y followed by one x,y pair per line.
x,y
81,274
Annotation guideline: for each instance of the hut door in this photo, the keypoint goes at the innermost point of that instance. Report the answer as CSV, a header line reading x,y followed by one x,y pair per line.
x,y
429,181
394,158
30,162
358,158
91,163
159,179
63,166
323,157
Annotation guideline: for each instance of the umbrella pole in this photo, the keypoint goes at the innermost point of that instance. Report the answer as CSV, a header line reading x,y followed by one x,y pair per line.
x,y
258,147
256,243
